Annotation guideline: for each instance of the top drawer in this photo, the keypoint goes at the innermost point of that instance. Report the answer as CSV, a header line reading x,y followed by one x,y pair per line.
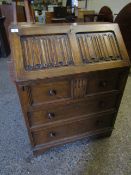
x,y
99,82
38,93
46,92
103,81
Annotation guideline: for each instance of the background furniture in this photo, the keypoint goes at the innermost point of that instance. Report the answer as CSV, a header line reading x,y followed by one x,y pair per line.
x,y
124,21
49,17
82,12
106,15
59,20
8,12
4,45
70,80
92,17
89,18
12,13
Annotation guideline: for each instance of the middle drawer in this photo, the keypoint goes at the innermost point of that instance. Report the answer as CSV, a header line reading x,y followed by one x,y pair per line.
x,y
55,112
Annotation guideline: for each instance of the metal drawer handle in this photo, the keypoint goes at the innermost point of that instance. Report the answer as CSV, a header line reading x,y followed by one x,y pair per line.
x,y
52,92
52,134
103,83
51,115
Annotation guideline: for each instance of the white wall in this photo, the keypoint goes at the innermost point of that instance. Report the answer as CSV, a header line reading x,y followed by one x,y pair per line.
x,y
115,5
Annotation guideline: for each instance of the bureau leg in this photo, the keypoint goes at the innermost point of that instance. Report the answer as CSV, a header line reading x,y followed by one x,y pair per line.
x,y
101,135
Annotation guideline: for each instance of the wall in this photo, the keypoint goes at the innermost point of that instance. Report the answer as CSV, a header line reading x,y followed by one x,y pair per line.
x,y
115,5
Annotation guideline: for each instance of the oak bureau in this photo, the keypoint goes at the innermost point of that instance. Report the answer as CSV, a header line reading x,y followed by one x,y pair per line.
x,y
70,79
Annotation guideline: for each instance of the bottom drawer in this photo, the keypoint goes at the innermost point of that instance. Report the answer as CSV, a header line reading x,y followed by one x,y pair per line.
x,y
50,134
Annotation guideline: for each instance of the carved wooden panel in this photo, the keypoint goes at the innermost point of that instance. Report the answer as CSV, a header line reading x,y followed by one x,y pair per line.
x,y
79,87
47,51
98,47
27,89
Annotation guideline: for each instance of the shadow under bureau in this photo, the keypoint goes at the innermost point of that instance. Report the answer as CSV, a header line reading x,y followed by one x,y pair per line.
x,y
70,80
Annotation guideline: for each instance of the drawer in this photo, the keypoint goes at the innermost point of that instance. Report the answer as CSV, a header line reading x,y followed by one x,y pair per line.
x,y
46,92
78,127
57,112
102,81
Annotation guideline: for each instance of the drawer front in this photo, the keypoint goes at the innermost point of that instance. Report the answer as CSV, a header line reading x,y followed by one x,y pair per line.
x,y
57,112
102,81
46,92
73,88
51,134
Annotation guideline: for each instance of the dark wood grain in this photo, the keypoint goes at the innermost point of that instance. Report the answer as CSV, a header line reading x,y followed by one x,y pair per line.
x,y
51,113
49,134
78,93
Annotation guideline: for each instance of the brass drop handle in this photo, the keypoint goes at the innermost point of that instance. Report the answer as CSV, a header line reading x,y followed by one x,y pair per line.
x,y
51,115
52,92
52,134
103,83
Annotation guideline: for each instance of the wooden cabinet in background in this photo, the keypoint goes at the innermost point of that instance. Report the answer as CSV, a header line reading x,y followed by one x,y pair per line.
x,y
49,17
8,12
4,45
70,80
124,21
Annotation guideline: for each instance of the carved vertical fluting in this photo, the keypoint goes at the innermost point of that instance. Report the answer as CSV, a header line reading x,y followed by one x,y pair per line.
x,y
78,87
98,47
46,51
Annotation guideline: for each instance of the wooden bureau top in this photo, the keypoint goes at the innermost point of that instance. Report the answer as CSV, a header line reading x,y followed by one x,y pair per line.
x,y
48,51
